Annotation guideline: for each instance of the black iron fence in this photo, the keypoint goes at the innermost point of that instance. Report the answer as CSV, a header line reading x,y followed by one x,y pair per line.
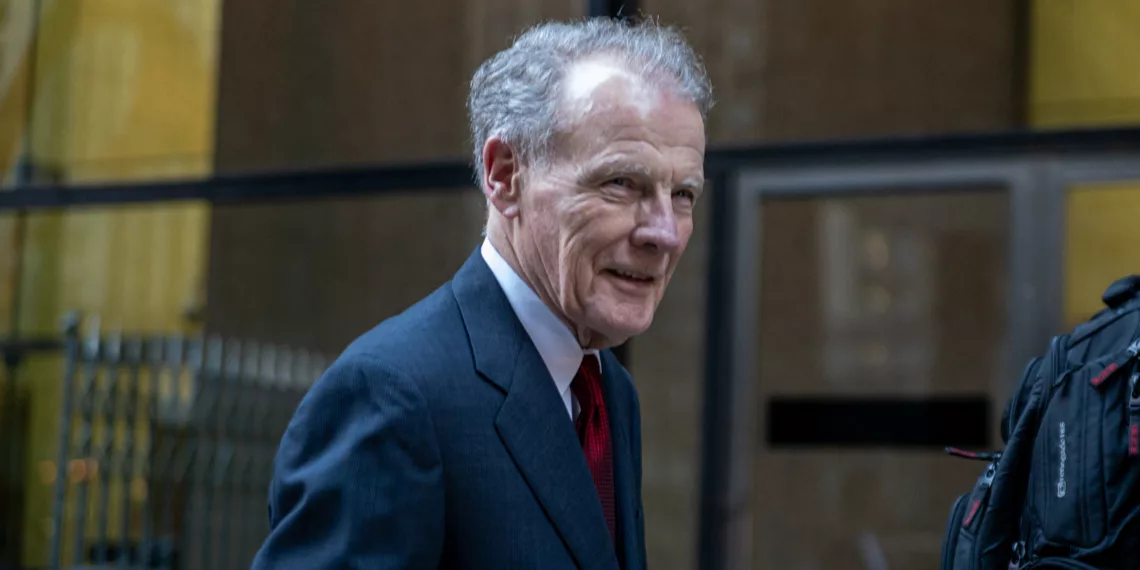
x,y
163,450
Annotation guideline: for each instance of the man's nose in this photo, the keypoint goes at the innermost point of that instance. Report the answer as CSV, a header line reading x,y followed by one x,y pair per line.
x,y
657,228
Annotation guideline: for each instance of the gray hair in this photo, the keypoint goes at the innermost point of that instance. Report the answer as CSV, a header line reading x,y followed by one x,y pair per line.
x,y
516,94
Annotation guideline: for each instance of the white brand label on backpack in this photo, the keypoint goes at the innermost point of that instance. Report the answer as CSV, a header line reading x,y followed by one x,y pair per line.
x,y
1061,471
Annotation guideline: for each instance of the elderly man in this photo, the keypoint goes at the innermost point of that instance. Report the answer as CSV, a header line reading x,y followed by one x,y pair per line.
x,y
488,426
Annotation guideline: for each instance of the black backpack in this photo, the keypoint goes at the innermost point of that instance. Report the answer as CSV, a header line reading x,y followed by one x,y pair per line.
x,y
1065,491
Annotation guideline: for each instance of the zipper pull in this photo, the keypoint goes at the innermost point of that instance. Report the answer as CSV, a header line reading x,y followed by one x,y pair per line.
x,y
1134,414
1018,555
978,496
1131,353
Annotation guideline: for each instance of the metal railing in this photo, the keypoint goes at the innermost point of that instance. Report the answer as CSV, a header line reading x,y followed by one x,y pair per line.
x,y
165,448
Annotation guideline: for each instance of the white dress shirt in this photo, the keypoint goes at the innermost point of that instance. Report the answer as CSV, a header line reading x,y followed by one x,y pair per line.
x,y
556,344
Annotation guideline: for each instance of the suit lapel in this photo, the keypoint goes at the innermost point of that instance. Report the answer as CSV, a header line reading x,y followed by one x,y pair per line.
x,y
532,422
618,404
550,457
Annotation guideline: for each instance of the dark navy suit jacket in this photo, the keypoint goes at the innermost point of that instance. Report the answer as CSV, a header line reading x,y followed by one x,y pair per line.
x,y
439,440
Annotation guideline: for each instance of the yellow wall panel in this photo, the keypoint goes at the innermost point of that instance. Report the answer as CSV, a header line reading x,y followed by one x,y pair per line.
x,y
1085,57
54,80
9,256
1085,54
138,267
125,88
1100,244
17,24
13,107
124,91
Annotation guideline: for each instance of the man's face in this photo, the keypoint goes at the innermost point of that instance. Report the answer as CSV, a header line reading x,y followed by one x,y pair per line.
x,y
601,226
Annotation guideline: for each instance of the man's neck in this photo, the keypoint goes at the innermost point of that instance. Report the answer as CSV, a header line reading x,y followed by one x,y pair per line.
x,y
504,244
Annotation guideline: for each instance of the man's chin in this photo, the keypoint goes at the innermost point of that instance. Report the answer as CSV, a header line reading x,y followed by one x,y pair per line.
x,y
616,328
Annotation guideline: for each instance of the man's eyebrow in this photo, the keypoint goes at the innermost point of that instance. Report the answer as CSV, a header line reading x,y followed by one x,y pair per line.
x,y
618,166
615,167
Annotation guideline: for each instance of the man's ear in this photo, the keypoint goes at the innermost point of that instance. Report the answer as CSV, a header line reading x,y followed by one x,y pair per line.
x,y
502,175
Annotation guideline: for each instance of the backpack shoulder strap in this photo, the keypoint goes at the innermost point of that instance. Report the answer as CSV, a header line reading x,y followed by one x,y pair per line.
x,y
1001,525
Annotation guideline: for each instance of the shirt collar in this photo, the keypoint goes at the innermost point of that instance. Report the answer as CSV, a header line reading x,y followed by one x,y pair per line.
x,y
555,342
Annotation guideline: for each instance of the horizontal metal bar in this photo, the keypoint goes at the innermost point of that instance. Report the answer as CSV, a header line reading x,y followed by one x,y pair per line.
x,y
246,188
919,147
26,345
341,182
921,175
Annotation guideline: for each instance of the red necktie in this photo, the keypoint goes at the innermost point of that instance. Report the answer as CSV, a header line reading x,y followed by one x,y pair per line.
x,y
594,432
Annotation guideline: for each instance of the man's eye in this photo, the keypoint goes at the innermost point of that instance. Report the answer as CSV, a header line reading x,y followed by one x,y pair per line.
x,y
686,194
623,181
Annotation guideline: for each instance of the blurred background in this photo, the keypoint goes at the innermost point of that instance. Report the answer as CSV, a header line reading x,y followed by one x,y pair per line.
x,y
204,201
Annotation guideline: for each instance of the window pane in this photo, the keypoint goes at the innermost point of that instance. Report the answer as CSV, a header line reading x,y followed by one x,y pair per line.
x,y
888,302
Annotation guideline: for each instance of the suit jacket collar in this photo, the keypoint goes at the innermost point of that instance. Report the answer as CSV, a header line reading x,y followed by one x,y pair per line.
x,y
533,424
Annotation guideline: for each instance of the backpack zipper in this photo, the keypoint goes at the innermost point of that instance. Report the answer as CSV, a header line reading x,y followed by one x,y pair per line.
x,y
1133,353
1134,414
978,496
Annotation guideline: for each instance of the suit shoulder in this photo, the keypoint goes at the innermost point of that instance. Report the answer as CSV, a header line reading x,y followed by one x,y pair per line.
x,y
428,335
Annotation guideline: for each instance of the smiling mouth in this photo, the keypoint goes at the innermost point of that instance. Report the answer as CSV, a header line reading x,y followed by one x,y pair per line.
x,y
631,276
